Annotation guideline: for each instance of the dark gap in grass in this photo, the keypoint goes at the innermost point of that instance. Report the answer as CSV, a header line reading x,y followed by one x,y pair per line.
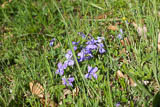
x,y
6,63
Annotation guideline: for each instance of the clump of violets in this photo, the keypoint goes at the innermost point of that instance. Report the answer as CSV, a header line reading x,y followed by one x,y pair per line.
x,y
85,53
91,45
69,62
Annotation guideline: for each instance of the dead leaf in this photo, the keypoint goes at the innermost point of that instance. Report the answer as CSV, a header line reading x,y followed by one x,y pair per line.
x,y
4,4
68,92
123,51
60,103
125,40
89,93
135,25
123,43
65,93
75,91
159,42
101,16
113,27
141,30
120,74
57,46
159,13
48,103
121,59
36,89
132,83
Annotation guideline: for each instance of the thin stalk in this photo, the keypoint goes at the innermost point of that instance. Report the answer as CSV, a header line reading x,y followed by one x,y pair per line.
x,y
109,90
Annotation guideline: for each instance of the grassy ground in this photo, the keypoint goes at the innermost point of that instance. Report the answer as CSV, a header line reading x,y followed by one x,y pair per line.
x,y
26,28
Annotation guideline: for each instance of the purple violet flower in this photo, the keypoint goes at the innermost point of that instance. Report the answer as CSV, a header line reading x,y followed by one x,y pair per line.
x,y
81,55
82,34
75,48
69,54
91,42
120,34
118,104
100,45
91,72
64,80
65,65
121,31
99,39
84,54
75,43
101,49
52,41
68,82
60,69
91,47
69,62
88,54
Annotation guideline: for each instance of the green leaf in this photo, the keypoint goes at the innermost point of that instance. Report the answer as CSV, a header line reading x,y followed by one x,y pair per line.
x,y
2,101
100,77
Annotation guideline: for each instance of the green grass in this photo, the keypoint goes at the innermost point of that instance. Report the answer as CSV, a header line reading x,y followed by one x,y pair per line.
x,y
27,26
